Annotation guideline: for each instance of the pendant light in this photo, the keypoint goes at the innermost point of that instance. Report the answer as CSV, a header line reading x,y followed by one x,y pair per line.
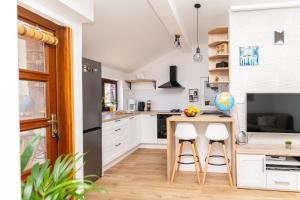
x,y
197,56
177,41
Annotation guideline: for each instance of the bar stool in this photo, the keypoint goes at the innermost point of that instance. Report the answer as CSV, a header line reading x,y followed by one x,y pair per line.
x,y
217,133
186,132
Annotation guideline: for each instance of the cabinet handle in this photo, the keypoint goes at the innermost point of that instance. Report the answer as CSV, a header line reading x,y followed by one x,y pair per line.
x,y
131,117
117,144
153,115
282,182
117,120
264,164
118,129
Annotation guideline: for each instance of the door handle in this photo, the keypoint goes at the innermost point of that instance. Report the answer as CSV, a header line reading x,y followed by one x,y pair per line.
x,y
54,130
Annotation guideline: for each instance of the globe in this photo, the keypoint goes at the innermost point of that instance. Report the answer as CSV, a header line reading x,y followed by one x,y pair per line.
x,y
224,102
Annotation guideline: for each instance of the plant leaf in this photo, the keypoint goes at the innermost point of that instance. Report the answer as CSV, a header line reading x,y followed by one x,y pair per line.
x,y
27,189
27,153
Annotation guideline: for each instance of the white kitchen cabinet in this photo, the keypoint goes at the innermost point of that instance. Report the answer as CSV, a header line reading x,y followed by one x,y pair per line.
x,y
298,182
134,134
149,128
114,141
251,171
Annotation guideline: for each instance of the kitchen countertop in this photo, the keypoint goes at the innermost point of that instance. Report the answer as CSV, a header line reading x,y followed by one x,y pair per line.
x,y
111,116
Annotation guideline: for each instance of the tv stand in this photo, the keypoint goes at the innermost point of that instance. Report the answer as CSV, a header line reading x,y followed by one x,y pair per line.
x,y
255,169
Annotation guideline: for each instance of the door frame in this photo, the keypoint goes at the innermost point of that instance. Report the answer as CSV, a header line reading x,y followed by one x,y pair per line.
x,y
64,77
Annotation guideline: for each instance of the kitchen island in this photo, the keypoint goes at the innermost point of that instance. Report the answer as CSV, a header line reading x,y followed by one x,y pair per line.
x,y
171,146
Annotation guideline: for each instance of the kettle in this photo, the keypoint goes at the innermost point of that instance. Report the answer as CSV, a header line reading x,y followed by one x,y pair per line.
x,y
242,138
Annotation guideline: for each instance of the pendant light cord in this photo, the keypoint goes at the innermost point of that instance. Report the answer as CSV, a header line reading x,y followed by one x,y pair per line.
x,y
197,28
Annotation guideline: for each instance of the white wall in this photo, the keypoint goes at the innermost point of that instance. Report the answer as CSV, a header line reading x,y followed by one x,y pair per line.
x,y
278,70
188,75
86,9
54,11
9,101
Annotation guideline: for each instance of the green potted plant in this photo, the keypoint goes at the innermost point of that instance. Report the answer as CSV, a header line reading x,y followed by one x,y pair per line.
x,y
288,144
55,182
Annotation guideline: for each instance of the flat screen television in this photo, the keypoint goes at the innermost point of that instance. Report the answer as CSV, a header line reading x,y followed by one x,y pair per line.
x,y
273,112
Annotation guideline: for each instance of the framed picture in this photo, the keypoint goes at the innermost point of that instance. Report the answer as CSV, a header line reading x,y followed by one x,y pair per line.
x,y
249,56
209,93
193,95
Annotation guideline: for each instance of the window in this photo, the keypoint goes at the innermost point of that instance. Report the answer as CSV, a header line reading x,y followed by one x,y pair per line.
x,y
109,91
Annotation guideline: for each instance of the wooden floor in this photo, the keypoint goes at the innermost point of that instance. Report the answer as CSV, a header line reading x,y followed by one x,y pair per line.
x,y
142,175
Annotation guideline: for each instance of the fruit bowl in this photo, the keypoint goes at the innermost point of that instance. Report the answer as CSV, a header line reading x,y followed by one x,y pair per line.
x,y
191,111
190,114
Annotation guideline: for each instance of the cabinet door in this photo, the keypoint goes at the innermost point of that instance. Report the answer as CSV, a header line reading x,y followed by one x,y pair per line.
x,y
251,171
298,182
133,132
149,129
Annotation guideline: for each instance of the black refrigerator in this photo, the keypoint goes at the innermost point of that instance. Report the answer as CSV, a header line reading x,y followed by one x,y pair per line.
x,y
92,114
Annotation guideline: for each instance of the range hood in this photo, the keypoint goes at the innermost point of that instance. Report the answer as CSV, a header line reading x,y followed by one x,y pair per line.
x,y
173,79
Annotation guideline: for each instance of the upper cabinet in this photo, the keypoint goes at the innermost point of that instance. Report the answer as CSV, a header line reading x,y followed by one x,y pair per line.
x,y
218,55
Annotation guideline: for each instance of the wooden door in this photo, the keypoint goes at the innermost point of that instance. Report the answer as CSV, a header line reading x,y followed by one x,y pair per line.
x,y
45,90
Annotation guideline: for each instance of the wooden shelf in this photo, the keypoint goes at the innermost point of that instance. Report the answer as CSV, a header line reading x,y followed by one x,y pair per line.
x,y
219,69
218,30
215,43
268,149
219,82
141,81
218,56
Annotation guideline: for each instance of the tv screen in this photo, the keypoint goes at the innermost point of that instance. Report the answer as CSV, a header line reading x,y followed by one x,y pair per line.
x,y
273,113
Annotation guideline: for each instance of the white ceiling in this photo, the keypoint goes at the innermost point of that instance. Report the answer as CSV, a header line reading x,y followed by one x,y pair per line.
x,y
127,34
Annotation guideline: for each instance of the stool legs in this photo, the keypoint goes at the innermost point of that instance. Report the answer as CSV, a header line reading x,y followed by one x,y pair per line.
x,y
227,165
206,162
195,157
181,150
196,160
176,164
197,154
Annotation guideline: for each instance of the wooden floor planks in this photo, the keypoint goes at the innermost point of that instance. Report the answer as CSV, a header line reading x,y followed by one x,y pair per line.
x,y
142,176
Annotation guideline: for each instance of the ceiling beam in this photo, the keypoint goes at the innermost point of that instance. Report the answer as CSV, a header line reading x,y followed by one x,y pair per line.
x,y
167,13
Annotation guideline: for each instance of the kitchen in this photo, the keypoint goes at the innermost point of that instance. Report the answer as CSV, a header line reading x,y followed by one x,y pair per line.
x,y
139,95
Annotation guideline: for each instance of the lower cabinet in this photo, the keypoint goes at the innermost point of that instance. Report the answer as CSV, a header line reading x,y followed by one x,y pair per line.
x,y
298,183
251,171
114,142
282,180
149,129
122,135
134,134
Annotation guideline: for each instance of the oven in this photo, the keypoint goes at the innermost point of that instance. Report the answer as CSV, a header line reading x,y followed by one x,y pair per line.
x,y
162,125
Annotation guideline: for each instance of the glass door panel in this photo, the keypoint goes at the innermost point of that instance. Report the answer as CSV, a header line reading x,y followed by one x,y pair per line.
x,y
32,99
31,54
40,153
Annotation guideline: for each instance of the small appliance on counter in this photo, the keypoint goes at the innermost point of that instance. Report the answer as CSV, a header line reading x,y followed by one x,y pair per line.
x,y
131,105
141,106
148,105
175,111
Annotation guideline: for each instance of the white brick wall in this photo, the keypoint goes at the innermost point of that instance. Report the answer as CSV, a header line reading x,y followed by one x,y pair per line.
x,y
279,66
